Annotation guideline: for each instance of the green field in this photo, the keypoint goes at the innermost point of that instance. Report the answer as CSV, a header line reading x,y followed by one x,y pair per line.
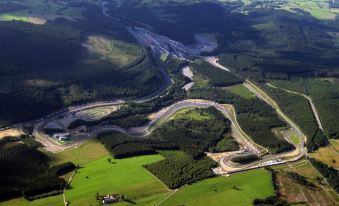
x,y
241,90
220,190
54,200
123,176
295,138
86,153
193,114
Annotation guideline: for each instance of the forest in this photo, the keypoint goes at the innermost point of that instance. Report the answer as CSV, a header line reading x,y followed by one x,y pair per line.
x,y
297,108
245,159
46,67
26,172
194,137
255,117
176,172
324,93
135,114
215,76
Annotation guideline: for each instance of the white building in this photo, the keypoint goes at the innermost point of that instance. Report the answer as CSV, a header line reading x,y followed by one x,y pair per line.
x,y
62,136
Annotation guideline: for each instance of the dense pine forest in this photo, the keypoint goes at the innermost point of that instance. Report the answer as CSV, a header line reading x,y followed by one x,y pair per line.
x,y
27,172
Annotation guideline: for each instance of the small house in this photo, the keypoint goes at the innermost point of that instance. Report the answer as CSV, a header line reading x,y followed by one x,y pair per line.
x,y
110,199
62,136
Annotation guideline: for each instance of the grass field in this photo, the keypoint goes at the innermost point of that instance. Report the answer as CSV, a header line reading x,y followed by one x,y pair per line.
x,y
327,155
88,152
123,176
116,52
193,114
96,113
302,167
335,144
40,11
241,90
221,191
293,192
295,139
54,200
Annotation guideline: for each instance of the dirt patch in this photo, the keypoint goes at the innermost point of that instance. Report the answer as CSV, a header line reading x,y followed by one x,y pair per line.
x,y
11,133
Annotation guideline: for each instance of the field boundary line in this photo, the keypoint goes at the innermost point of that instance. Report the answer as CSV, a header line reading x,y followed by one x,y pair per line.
x,y
68,183
158,179
167,197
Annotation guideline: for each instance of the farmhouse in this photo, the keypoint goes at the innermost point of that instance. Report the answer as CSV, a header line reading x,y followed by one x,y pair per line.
x,y
62,136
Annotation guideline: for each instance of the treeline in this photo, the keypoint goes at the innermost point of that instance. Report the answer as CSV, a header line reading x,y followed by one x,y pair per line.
x,y
270,201
215,76
26,173
244,159
300,179
331,174
177,172
255,117
132,150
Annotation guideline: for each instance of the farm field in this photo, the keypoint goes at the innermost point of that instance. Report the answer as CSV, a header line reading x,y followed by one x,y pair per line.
x,y
241,90
238,189
293,192
123,176
319,9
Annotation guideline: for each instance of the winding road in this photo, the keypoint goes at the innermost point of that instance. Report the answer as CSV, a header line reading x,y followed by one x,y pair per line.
x,y
247,145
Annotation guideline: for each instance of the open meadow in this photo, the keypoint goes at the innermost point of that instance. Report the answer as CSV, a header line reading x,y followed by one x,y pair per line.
x,y
327,155
238,189
241,90
123,176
